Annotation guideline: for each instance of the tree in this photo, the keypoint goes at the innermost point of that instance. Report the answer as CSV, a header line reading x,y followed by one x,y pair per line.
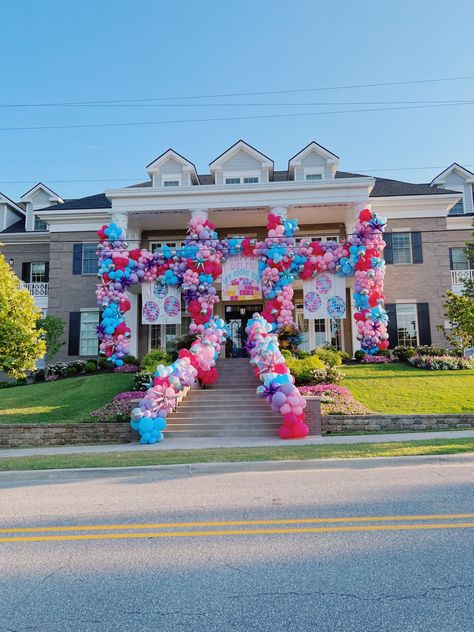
x,y
53,328
460,312
21,341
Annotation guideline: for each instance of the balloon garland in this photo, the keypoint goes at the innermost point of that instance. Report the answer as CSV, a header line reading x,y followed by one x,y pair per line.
x,y
278,384
197,265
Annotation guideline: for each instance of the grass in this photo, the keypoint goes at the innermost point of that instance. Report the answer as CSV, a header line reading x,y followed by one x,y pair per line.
x,y
403,389
63,401
284,453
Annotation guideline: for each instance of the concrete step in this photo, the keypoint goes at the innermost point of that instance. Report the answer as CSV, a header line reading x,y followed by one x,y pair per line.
x,y
223,420
220,433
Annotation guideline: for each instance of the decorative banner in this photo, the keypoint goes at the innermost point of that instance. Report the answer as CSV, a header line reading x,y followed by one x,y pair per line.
x,y
325,296
241,279
161,304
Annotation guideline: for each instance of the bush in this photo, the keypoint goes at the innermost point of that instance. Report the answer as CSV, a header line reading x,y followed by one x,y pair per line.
x,y
289,337
440,363
331,357
116,411
153,358
103,363
359,355
327,375
303,369
375,359
58,369
142,381
80,365
91,366
72,370
39,375
131,359
404,353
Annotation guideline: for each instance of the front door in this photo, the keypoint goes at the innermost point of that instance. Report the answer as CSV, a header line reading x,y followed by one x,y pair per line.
x,y
237,318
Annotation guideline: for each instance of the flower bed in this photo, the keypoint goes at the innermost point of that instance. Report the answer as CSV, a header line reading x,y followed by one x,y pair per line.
x,y
375,359
335,400
440,363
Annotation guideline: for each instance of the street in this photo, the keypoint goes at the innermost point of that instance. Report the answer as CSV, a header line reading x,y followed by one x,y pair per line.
x,y
357,547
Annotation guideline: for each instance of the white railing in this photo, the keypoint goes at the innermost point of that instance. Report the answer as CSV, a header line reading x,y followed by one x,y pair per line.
x,y
36,289
458,276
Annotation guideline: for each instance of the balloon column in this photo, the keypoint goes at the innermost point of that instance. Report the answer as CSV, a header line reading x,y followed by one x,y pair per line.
x,y
168,381
278,384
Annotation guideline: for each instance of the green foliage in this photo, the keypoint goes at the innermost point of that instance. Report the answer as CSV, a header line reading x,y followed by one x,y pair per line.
x,y
21,343
53,329
103,363
181,342
359,355
91,366
155,357
71,371
141,381
404,353
440,363
459,309
328,356
327,375
131,359
303,369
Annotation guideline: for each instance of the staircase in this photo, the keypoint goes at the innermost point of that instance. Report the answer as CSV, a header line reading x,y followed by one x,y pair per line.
x,y
228,408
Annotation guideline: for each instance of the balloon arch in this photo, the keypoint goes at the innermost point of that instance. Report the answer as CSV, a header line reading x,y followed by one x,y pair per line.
x,y
197,265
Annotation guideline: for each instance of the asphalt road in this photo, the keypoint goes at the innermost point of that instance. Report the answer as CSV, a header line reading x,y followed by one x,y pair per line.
x,y
356,548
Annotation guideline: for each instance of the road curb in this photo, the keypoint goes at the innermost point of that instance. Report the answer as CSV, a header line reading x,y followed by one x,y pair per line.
x,y
231,467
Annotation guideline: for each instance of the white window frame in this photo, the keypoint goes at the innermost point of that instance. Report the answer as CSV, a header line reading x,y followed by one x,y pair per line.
x,y
417,328
311,236
241,175
172,242
313,171
311,341
171,178
38,220
95,352
87,243
33,263
406,231
180,331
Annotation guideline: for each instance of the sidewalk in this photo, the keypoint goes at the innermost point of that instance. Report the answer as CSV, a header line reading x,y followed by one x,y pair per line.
x,y
234,442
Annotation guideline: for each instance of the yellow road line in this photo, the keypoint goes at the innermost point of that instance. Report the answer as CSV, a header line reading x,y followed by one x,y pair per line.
x,y
232,523
223,532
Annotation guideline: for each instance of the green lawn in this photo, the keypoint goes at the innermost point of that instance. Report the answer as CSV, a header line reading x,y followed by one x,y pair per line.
x,y
64,401
402,389
293,451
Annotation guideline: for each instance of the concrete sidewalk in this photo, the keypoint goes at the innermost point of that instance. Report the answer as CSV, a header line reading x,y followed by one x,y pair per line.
x,y
234,442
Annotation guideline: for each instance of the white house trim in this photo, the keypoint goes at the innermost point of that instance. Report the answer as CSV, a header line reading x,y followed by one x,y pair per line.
x,y
241,145
462,171
54,197
6,200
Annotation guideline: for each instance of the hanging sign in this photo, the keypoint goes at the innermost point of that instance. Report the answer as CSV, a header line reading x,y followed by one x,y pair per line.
x,y
241,279
161,304
324,296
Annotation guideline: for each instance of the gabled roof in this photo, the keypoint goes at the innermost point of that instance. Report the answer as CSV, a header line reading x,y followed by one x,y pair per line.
x,y
310,147
241,145
465,173
17,227
90,202
171,154
41,187
6,200
387,188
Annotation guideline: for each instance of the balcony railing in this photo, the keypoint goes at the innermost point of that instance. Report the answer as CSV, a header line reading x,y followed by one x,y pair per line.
x,y
36,289
458,276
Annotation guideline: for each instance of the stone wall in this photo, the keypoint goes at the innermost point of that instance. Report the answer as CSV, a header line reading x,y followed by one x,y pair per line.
x,y
374,423
33,435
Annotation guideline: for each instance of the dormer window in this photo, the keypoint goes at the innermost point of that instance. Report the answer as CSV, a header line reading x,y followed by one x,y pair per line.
x,y
171,181
312,175
232,180
242,180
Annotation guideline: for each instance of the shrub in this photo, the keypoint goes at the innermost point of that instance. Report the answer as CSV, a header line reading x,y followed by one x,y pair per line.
x,y
80,365
303,369
440,363
404,353
103,363
331,357
153,358
289,337
359,355
58,369
91,366
116,411
72,370
142,381
39,375
326,375
131,359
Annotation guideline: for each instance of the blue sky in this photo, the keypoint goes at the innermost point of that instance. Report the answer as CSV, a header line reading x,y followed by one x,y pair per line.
x,y
57,51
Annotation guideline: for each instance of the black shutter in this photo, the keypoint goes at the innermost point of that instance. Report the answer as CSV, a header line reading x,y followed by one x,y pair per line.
x,y
392,327
424,328
416,249
451,259
25,271
77,259
74,332
388,250
46,272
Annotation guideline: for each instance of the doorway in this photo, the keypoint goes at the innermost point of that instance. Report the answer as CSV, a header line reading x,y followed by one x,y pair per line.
x,y
237,317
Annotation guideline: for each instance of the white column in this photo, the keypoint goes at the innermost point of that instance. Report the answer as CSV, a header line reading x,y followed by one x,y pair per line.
x,y
121,219
132,322
133,237
354,330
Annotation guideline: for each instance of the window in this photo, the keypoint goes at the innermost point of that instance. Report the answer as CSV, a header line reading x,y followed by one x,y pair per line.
x,y
251,180
88,343
407,325
40,224
171,183
163,336
313,176
401,245
89,259
38,272
158,245
320,332
459,259
320,238
458,208
232,180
